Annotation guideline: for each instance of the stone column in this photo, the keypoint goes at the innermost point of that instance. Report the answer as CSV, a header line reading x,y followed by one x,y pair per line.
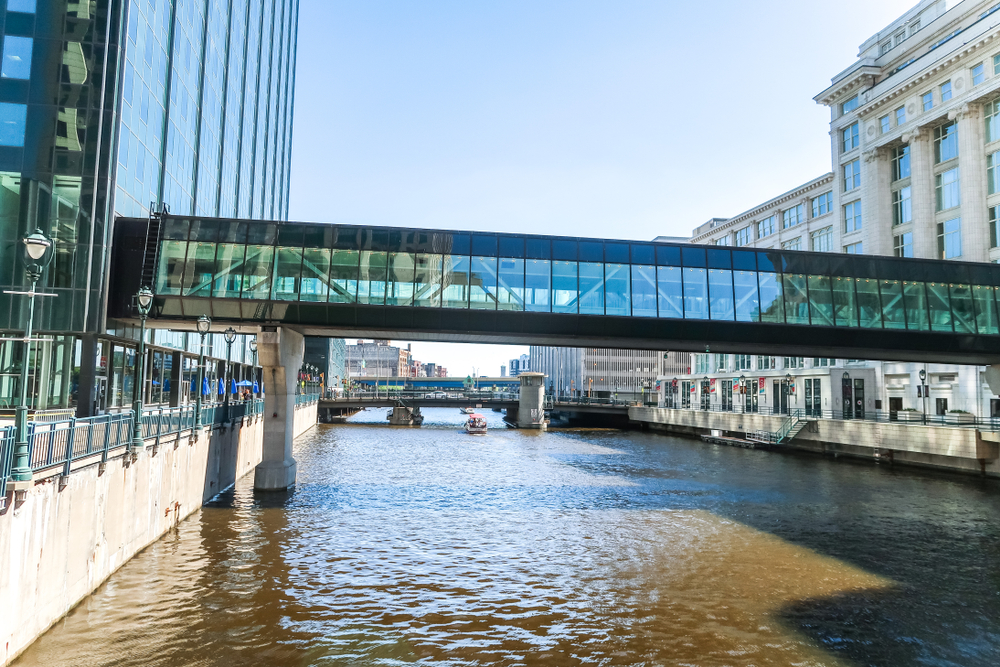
x,y
922,192
280,353
531,407
972,175
877,203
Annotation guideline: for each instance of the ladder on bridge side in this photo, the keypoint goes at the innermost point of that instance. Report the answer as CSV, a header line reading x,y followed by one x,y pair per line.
x,y
154,230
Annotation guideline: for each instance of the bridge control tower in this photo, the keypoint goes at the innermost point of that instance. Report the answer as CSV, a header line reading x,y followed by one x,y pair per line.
x,y
531,409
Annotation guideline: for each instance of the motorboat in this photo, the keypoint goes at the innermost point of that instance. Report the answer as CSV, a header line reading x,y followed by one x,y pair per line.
x,y
476,424
467,411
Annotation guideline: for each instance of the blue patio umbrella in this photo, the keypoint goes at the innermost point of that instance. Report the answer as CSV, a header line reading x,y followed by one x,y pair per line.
x,y
222,387
245,383
233,389
205,388
256,389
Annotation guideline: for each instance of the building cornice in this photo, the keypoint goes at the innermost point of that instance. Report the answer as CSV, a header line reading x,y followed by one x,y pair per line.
x,y
791,195
864,76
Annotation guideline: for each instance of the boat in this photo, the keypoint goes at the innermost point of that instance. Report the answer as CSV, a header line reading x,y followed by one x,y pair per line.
x,y
467,411
476,425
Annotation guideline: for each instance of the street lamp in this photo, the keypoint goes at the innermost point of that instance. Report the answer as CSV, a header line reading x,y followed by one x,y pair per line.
x,y
923,392
204,324
253,348
230,334
36,255
143,302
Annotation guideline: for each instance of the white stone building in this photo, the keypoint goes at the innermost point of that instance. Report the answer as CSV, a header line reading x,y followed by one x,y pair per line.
x,y
601,373
915,139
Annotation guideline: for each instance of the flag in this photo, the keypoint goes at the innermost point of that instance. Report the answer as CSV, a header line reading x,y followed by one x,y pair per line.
x,y
713,386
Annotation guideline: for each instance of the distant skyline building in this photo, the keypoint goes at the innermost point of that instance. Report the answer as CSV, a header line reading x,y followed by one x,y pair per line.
x,y
600,373
518,365
108,108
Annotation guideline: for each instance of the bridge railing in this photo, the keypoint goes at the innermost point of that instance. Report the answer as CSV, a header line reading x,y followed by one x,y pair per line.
x,y
6,458
51,444
306,399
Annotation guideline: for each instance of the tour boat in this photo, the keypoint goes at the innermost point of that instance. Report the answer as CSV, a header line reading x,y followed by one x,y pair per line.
x,y
476,425
467,411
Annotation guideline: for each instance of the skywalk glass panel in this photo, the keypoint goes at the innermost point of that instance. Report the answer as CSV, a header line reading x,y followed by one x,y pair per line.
x,y
893,310
257,275
670,291
200,273
510,280
483,283
939,307
455,280
229,270
746,296
915,300
986,309
287,272
720,291
591,288
644,291
344,280
427,280
845,309
772,307
170,271
564,287
372,277
869,306
820,301
537,285
617,290
796,299
316,274
963,313
695,294
399,290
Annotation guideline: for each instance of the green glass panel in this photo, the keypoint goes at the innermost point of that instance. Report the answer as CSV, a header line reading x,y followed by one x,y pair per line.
x,y
915,299
371,277
565,294
592,288
170,270
483,283
720,293
229,270
845,308
695,294
986,309
796,298
399,287
257,272
287,273
643,291
510,284
344,272
427,280
537,283
617,292
747,297
316,274
670,291
963,314
200,271
820,301
772,306
939,307
869,305
893,312
456,282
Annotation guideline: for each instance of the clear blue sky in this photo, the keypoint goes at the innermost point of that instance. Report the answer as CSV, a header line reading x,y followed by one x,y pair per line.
x,y
624,118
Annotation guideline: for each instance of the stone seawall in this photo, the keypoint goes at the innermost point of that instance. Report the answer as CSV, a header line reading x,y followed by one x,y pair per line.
x,y
60,544
959,449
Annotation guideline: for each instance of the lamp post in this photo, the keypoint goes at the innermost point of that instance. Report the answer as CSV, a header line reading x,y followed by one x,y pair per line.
x,y
253,348
230,334
143,302
36,254
923,392
204,324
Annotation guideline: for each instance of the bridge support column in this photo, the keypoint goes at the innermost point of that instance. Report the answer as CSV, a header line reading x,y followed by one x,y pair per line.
x,y
280,353
993,379
531,407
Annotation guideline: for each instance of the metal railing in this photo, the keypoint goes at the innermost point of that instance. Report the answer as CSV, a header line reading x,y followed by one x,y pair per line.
x,y
958,420
61,442
6,458
306,399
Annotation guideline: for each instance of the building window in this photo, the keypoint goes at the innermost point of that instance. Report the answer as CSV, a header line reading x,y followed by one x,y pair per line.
x,y
823,362
852,175
885,48
993,173
928,101
945,142
722,240
765,363
822,240
947,190
795,362
992,114
900,36
978,74
996,64
914,27
26,6
945,91
850,137
12,117
994,222
791,217
902,245
743,237
900,116
765,227
849,106
901,163
822,205
950,238
721,362
854,249
883,123
701,363
742,362
902,210
16,57
852,217
794,244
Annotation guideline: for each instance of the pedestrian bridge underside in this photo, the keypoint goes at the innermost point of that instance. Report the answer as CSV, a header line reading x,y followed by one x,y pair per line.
x,y
419,284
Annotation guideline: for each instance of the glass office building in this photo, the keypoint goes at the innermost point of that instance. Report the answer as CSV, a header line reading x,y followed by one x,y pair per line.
x,y
107,108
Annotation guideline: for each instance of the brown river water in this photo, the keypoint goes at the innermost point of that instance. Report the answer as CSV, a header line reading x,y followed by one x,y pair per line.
x,y
404,546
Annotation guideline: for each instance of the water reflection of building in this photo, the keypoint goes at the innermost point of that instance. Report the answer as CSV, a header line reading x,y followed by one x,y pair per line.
x,y
194,112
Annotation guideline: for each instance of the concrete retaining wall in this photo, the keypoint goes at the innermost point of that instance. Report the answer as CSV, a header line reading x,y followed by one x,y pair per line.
x,y
965,449
58,546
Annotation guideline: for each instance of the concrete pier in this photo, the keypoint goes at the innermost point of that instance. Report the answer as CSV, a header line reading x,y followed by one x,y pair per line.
x,y
403,416
531,408
280,352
